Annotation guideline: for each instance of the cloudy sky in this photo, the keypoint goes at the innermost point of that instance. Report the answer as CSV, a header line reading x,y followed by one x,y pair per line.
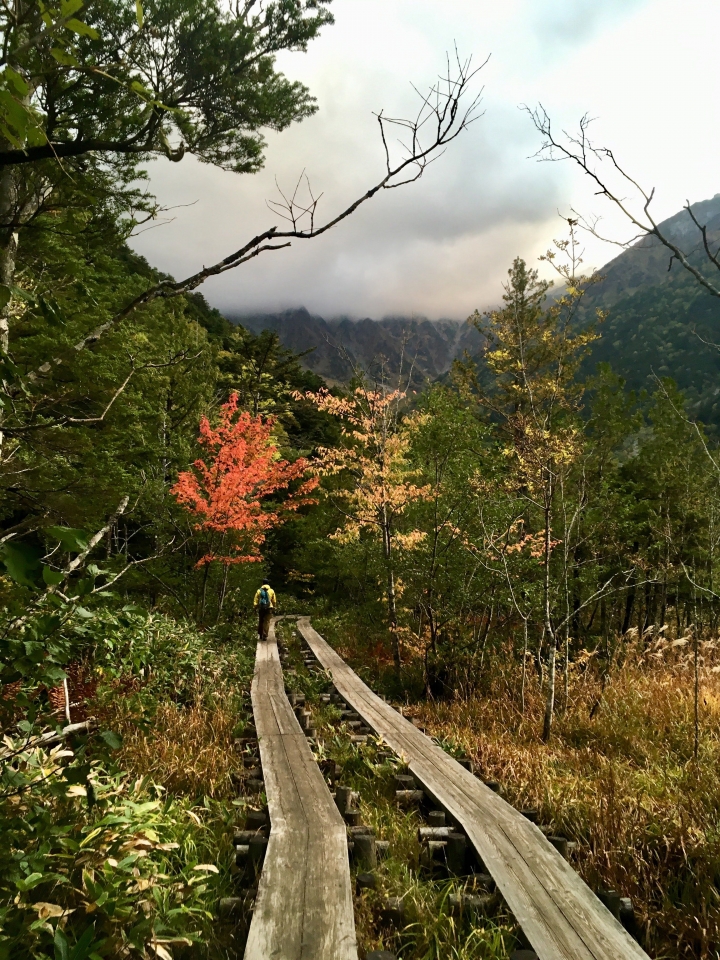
x,y
646,69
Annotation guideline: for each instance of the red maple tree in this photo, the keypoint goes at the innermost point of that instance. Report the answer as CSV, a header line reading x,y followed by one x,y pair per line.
x,y
230,493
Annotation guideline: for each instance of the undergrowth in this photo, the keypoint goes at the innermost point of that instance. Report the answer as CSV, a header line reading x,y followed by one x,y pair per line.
x,y
119,843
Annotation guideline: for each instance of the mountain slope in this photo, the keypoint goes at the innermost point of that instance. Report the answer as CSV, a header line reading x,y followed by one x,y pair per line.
x,y
661,322
421,349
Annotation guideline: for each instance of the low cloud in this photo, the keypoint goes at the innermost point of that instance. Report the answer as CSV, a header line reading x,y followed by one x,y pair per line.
x,y
441,246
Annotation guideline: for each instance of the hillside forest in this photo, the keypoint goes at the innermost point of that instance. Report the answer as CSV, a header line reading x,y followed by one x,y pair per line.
x,y
523,553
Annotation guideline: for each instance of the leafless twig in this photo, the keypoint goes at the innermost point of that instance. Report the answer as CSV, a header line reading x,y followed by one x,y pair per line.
x,y
443,115
593,160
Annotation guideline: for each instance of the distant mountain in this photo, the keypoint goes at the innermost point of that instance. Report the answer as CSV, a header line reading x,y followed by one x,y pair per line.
x,y
422,349
661,322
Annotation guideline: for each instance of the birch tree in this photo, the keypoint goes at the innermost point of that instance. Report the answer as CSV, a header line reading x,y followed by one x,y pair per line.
x,y
530,387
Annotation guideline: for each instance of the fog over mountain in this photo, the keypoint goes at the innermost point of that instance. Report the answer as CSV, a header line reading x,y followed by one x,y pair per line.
x,y
660,323
412,347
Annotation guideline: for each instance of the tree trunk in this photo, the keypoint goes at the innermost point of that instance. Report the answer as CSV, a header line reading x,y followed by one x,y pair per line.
x,y
392,608
485,635
8,245
552,642
19,202
629,604
204,592
223,590
14,211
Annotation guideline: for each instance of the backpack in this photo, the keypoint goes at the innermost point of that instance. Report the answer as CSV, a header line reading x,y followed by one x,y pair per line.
x,y
264,599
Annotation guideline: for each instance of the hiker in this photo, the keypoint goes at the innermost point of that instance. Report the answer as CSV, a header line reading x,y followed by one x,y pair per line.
x,y
264,604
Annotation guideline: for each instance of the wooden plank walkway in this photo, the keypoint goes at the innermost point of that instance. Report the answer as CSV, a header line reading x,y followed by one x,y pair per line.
x,y
561,917
303,909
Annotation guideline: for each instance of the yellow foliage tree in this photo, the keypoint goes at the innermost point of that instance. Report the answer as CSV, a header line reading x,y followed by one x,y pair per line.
x,y
533,355
373,453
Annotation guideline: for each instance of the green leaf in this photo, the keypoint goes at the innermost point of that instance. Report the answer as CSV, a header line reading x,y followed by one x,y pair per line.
x,y
74,541
139,13
77,26
54,674
36,136
22,562
51,312
63,57
62,949
23,295
47,624
85,614
29,882
8,368
69,7
10,136
141,90
35,650
112,739
52,577
17,81
13,113
77,774
5,296
84,944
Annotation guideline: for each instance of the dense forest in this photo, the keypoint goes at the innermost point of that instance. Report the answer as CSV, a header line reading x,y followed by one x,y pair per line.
x,y
524,555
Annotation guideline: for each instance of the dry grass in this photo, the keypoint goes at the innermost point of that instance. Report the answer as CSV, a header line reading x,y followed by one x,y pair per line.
x,y
618,775
188,750
623,783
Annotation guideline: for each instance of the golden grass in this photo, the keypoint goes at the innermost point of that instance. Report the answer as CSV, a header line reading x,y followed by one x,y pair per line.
x,y
188,750
623,783
620,779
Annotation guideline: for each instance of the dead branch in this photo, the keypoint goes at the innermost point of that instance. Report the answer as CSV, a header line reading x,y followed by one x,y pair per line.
x,y
443,115
49,738
76,421
580,150
92,542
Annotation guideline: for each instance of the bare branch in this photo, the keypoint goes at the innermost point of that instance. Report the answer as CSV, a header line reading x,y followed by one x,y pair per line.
x,y
444,105
580,150
75,421
92,542
49,738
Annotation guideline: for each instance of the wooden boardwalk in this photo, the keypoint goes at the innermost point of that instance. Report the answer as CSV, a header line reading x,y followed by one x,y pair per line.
x,y
561,917
303,909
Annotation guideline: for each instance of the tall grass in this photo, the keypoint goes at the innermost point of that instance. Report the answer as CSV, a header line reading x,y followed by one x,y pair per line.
x,y
187,749
618,776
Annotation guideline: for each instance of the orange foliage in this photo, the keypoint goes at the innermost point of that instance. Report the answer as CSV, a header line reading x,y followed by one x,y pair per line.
x,y
230,492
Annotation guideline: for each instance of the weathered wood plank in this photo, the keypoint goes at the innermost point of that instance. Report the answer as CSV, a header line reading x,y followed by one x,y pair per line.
x,y
558,912
303,909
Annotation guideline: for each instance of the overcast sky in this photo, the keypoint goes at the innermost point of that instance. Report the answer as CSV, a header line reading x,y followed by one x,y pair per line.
x,y
646,69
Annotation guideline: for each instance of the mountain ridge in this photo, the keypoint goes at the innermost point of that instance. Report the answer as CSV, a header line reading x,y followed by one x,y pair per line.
x,y
660,323
415,348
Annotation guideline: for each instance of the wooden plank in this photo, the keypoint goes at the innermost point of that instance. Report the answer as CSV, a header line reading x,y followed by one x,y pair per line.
x,y
303,909
561,917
